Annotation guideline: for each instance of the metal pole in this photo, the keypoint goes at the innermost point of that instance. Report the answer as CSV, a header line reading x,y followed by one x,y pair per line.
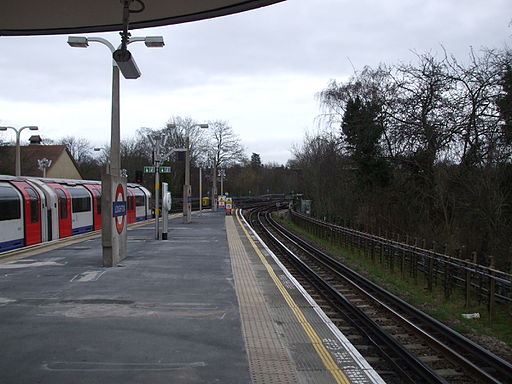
x,y
222,182
156,163
200,190
186,187
157,210
214,187
165,216
18,153
115,151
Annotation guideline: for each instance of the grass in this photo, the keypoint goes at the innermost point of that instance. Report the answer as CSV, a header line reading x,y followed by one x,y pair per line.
x,y
416,293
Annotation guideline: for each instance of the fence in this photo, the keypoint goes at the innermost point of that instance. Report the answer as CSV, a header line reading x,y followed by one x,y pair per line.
x,y
483,283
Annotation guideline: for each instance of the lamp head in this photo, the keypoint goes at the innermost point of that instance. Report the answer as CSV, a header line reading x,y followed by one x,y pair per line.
x,y
32,127
203,125
78,41
126,64
154,41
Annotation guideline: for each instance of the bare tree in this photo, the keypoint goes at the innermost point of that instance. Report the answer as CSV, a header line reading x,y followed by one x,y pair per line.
x,y
224,148
178,129
476,113
80,148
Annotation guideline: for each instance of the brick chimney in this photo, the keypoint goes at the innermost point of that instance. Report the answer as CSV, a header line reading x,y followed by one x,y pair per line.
x,y
35,140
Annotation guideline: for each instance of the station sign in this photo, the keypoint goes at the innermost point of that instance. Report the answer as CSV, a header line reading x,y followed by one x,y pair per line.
x,y
152,169
118,208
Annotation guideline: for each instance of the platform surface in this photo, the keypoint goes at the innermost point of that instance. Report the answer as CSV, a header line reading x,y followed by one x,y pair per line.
x,y
175,311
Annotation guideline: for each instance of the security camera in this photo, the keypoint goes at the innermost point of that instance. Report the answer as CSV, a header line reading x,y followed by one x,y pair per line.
x,y
126,64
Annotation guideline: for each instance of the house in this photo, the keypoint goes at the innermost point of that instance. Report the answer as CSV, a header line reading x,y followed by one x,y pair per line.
x,y
63,166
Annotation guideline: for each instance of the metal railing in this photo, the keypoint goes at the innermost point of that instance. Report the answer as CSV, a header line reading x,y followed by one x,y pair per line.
x,y
483,283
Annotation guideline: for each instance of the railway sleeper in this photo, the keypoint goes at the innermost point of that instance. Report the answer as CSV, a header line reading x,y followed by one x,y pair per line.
x,y
448,372
430,358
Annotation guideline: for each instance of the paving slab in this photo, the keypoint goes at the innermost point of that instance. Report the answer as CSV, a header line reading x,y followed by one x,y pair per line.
x,y
167,314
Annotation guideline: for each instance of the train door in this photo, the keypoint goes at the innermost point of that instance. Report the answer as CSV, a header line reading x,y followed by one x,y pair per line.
x,y
96,204
32,212
81,208
64,210
131,217
50,209
142,202
11,218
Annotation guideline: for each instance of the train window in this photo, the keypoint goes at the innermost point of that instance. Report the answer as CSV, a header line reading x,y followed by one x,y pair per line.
x,y
63,204
98,201
80,200
9,204
139,200
34,205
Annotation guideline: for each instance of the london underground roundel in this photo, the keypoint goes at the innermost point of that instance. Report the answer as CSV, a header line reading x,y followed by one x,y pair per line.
x,y
120,208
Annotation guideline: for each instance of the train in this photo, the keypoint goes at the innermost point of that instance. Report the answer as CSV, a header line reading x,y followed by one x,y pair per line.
x,y
34,210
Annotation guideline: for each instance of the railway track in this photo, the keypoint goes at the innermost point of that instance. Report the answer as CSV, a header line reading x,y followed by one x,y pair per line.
x,y
402,343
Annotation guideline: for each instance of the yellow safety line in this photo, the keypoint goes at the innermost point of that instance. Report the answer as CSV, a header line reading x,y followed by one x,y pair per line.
x,y
325,356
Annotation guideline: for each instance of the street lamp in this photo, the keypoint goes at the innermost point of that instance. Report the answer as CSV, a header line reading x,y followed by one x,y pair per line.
x,y
222,174
18,149
187,193
158,142
114,235
126,64
187,209
43,164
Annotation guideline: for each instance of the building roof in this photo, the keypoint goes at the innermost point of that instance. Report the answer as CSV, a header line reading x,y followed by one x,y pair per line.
x,y
29,156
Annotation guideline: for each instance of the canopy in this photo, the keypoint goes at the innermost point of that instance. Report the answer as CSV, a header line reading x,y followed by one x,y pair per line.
x,y
47,17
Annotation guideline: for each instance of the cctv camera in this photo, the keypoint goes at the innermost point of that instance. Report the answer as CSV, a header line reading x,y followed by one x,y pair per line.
x,y
126,64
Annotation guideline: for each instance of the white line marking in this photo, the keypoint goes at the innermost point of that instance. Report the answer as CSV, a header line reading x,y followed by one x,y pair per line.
x,y
88,276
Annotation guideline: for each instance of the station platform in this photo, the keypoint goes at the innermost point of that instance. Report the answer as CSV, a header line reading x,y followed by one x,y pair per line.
x,y
209,305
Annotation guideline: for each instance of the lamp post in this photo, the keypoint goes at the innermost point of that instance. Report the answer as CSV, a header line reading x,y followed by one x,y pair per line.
x,y
214,186
130,71
187,209
114,235
187,192
158,142
200,189
222,174
44,164
18,149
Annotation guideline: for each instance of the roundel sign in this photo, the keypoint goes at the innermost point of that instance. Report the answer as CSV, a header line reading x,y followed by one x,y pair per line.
x,y
119,208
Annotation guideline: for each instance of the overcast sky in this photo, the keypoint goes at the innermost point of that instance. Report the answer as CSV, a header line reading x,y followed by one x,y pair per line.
x,y
259,70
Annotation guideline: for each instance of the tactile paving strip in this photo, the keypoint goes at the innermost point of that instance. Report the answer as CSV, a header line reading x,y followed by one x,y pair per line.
x,y
269,362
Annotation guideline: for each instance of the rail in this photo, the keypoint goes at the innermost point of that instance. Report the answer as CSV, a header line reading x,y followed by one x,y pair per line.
x,y
488,284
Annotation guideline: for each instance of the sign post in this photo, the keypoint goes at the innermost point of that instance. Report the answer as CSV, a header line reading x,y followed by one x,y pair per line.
x,y
159,157
114,221
166,207
229,205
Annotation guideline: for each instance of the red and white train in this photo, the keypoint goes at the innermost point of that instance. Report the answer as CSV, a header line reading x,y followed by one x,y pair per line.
x,y
34,210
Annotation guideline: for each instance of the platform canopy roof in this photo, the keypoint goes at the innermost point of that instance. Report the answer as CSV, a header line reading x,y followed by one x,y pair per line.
x,y
48,17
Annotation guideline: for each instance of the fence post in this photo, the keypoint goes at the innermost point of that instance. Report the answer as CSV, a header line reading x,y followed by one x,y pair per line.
x,y
468,281
491,290
391,254
430,280
447,272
